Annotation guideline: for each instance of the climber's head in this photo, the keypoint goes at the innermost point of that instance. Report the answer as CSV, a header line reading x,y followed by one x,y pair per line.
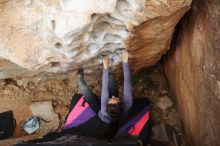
x,y
114,107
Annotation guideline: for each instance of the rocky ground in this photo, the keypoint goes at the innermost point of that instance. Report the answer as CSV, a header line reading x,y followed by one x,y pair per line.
x,y
151,83
18,95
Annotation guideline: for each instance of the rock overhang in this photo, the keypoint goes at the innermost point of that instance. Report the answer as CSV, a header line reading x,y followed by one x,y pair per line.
x,y
58,36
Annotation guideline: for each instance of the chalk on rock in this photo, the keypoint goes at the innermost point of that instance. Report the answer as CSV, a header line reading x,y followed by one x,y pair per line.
x,y
44,110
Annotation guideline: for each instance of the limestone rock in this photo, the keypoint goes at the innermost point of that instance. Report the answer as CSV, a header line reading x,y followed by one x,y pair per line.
x,y
193,71
164,102
40,37
44,110
47,127
50,120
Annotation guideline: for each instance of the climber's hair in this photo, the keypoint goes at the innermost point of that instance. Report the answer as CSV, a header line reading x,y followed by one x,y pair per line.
x,y
114,110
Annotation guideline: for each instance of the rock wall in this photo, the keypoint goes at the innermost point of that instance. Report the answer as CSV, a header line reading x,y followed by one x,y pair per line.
x,y
51,37
193,71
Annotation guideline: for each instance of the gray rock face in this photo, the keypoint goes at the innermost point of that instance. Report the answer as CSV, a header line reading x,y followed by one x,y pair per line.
x,y
45,37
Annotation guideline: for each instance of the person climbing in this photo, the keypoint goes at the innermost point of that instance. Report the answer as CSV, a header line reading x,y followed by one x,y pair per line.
x,y
113,115
110,118
112,106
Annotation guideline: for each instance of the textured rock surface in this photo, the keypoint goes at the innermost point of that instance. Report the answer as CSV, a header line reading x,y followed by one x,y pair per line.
x,y
164,102
57,36
193,72
150,83
160,133
44,110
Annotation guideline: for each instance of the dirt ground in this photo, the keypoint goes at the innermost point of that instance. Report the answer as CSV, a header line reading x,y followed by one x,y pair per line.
x,y
18,94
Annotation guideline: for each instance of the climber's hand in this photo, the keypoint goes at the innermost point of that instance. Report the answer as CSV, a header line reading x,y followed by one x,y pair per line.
x,y
106,62
125,56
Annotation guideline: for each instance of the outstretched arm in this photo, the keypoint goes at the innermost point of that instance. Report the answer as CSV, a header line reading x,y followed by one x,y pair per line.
x,y
127,98
105,91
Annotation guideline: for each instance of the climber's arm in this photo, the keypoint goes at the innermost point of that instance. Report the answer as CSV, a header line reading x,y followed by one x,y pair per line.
x,y
127,98
105,91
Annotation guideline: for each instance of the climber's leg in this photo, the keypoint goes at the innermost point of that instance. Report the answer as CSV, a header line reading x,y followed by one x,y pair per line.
x,y
89,96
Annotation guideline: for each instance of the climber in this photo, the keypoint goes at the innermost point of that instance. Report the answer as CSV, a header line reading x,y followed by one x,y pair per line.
x,y
110,118
112,106
118,116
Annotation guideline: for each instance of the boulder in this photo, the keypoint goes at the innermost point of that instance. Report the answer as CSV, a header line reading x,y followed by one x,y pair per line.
x,y
53,37
43,110
193,71
49,119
